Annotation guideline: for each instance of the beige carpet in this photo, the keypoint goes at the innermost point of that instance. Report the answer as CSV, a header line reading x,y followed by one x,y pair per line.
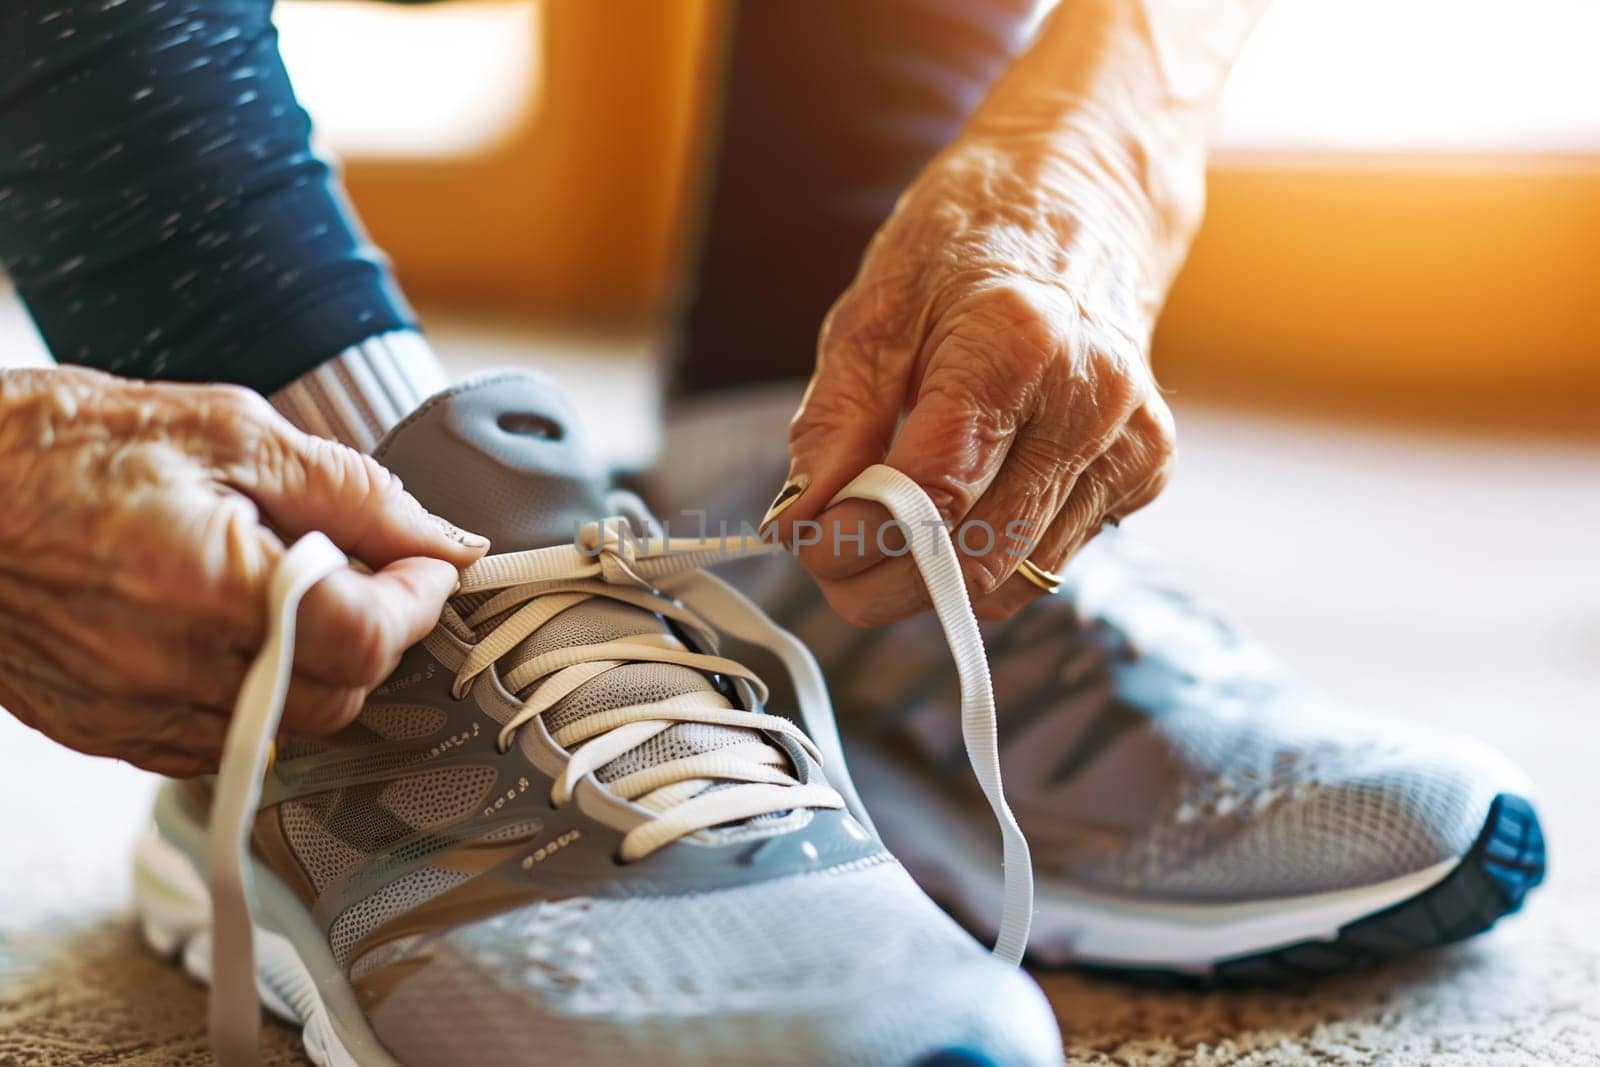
x,y
1445,580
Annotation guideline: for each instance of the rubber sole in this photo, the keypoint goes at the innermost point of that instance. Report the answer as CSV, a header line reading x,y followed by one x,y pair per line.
x,y
1490,882
174,919
173,907
1264,941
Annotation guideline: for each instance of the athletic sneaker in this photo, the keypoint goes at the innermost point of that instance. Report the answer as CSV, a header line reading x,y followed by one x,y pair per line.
x,y
565,830
1194,808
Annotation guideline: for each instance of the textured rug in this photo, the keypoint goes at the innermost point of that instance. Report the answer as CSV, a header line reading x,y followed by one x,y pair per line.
x,y
1524,996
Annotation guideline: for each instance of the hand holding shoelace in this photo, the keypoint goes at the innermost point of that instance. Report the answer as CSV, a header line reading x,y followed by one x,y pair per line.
x,y
993,345
139,526
1005,312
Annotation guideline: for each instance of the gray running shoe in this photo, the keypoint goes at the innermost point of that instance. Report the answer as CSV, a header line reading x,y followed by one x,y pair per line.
x,y
1193,808
565,831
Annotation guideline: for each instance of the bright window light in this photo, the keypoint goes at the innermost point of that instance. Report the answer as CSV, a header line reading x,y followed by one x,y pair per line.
x,y
1358,75
1419,75
384,80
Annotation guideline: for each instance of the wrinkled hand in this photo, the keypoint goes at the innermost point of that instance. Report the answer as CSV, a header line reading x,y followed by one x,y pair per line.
x,y
1003,310
138,527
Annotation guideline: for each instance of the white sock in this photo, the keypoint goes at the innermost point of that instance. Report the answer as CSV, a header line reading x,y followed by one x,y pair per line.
x,y
359,395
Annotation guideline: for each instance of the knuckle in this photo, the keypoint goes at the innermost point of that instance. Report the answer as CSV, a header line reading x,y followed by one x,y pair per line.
x,y
1155,423
380,480
951,495
978,386
336,463
364,478
238,555
1027,320
238,406
1149,490
1163,446
1150,440
870,315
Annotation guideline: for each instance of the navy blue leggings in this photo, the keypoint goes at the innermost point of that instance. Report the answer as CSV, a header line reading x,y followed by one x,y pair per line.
x,y
163,216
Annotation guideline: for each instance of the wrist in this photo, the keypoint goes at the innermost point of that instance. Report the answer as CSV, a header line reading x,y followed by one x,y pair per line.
x,y
1147,173
1124,95
1070,208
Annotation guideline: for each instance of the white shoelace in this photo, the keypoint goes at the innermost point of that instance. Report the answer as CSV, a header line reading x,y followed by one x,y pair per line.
x,y
533,587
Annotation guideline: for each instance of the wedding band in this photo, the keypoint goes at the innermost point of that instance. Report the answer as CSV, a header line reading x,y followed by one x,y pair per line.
x,y
1049,581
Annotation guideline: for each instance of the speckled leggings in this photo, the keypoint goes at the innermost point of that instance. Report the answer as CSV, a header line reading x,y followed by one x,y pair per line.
x,y
163,216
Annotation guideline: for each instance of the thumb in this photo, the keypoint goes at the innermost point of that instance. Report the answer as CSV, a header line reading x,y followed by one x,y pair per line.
x,y
312,483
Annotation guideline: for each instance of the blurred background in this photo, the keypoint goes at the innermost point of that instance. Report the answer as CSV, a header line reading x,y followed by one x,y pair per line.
x,y
1384,356
1403,213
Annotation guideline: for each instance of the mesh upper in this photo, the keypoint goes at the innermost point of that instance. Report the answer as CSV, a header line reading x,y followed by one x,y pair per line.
x,y
854,965
1194,769
334,833
400,895
437,798
402,722
1146,747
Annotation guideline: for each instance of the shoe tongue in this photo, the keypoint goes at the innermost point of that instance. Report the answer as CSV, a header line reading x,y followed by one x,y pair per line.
x,y
502,457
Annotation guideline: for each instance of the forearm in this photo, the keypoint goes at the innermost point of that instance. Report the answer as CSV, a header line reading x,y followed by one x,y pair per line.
x,y
1112,107
161,210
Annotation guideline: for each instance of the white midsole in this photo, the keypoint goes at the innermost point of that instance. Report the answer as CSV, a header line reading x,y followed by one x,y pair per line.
x,y
957,863
174,910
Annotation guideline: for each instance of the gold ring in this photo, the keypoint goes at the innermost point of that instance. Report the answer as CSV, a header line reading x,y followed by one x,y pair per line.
x,y
1049,581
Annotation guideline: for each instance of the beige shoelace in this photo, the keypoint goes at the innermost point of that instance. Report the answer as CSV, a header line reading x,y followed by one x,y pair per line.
x,y
661,575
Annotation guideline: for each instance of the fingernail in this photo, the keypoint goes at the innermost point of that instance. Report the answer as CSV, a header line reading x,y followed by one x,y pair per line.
x,y
460,536
786,497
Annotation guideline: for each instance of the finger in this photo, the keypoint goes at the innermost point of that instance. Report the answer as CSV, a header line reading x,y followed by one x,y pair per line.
x,y
314,708
354,627
994,536
953,443
1025,500
1051,552
848,413
1141,497
302,483
988,550
1153,425
889,592
1004,358
1098,496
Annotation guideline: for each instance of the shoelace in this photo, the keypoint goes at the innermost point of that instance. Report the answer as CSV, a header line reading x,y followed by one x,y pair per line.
x,y
536,585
